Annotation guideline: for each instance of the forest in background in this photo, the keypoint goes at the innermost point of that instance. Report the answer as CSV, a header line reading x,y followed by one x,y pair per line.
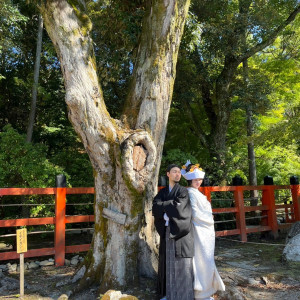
x,y
207,123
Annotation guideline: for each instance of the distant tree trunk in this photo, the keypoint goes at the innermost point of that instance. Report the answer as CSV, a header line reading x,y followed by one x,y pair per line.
x,y
126,153
35,80
250,131
25,209
251,153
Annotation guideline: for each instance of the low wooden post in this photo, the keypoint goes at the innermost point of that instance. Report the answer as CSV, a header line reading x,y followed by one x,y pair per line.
x,y
21,248
295,189
22,275
268,199
240,214
60,213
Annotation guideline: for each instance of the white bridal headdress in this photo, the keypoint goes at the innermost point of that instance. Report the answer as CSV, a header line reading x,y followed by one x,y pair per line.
x,y
195,171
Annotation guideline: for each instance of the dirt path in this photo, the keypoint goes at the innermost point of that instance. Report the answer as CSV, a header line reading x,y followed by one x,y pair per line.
x,y
250,271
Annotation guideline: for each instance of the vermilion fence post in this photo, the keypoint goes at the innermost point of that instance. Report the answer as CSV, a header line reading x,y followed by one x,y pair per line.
x,y
240,214
295,189
268,198
265,201
207,192
60,213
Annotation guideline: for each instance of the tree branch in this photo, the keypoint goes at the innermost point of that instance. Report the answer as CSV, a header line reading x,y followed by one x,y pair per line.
x,y
271,38
231,61
69,29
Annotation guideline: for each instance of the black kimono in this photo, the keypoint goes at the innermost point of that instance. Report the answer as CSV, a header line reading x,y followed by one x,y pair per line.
x,y
176,250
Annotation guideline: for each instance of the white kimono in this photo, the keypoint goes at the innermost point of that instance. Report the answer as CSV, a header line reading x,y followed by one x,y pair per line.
x,y
206,277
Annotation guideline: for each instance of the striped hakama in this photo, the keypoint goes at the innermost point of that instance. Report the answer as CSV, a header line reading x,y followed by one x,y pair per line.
x,y
179,273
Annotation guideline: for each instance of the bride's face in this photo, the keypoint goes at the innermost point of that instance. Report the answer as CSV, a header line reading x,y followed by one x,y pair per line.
x,y
196,183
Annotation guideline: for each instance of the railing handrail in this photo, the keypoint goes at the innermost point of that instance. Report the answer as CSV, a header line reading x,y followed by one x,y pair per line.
x,y
44,191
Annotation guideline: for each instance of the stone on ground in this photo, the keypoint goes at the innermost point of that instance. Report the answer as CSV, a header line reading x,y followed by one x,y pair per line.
x,y
295,230
116,295
74,262
12,267
8,283
63,297
33,265
232,293
291,252
3,267
79,274
46,263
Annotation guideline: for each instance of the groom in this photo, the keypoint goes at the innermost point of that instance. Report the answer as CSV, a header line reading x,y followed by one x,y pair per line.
x,y
173,221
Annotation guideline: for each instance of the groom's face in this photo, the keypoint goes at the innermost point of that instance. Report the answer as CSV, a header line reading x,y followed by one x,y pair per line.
x,y
174,175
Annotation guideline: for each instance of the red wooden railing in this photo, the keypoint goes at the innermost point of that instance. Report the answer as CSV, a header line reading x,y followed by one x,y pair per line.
x,y
268,209
59,220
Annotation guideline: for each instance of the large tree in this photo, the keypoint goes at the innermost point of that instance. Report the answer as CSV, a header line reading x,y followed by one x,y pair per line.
x,y
125,153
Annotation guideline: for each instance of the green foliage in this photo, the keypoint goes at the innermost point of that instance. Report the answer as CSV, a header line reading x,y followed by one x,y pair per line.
x,y
65,150
52,127
11,21
217,33
175,156
278,162
16,64
24,164
116,28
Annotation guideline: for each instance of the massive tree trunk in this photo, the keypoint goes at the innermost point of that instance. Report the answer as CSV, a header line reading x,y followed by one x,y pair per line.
x,y
125,153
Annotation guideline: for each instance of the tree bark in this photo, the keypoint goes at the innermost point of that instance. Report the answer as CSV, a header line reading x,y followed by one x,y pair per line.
x,y
35,80
125,153
251,153
250,131
37,63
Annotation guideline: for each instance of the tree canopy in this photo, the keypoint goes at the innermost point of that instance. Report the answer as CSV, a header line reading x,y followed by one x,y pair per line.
x,y
273,89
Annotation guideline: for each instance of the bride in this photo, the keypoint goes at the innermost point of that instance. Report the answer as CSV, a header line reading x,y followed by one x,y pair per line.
x,y
206,277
